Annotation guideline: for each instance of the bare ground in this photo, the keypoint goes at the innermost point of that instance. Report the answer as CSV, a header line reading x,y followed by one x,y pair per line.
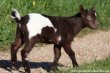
x,y
94,46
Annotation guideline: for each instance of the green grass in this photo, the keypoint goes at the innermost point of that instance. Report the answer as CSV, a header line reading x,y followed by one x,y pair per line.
x,y
48,7
101,65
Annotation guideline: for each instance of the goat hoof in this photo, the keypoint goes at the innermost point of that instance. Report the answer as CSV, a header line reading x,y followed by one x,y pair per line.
x,y
76,65
27,70
14,67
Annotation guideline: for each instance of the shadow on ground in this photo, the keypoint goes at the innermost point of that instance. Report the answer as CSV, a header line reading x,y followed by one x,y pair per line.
x,y
6,64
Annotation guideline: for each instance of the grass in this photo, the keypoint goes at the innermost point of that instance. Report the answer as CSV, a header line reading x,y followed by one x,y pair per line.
x,y
48,7
101,66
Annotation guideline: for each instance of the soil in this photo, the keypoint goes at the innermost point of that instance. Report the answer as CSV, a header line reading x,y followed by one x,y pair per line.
x,y
93,46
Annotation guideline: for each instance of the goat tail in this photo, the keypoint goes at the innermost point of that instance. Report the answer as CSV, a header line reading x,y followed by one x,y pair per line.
x,y
15,14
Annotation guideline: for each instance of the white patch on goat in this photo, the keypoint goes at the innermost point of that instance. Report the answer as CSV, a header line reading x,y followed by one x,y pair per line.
x,y
12,17
59,38
27,58
95,14
17,15
36,23
55,30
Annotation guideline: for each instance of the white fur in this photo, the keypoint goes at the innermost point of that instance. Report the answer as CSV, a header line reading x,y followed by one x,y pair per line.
x,y
95,14
59,38
55,30
36,23
27,58
16,14
13,17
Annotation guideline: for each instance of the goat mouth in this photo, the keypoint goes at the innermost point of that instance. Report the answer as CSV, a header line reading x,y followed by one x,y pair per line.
x,y
94,27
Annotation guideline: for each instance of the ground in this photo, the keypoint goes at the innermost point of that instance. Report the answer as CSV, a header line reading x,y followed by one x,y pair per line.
x,y
93,46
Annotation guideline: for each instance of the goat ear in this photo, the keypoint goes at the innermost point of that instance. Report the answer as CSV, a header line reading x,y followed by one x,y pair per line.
x,y
81,9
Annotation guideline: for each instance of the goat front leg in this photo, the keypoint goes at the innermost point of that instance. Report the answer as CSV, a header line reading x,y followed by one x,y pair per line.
x,y
24,53
57,55
14,48
71,54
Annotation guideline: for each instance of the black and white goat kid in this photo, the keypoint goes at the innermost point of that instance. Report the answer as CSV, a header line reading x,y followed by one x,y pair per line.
x,y
60,31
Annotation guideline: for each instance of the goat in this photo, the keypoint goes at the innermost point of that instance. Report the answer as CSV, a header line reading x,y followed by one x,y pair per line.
x,y
60,31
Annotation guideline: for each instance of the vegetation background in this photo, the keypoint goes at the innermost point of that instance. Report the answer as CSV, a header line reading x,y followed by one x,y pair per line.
x,y
48,7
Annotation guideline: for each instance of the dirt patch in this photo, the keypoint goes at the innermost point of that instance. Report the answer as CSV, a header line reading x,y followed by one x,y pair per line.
x,y
88,48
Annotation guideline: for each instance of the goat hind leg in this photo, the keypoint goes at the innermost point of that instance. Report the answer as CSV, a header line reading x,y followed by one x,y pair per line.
x,y
14,48
27,48
57,53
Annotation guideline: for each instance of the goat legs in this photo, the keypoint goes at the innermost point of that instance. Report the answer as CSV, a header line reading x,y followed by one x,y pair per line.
x,y
71,54
14,48
57,54
27,48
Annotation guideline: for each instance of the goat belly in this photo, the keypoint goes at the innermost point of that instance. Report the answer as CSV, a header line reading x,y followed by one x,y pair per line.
x,y
37,24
